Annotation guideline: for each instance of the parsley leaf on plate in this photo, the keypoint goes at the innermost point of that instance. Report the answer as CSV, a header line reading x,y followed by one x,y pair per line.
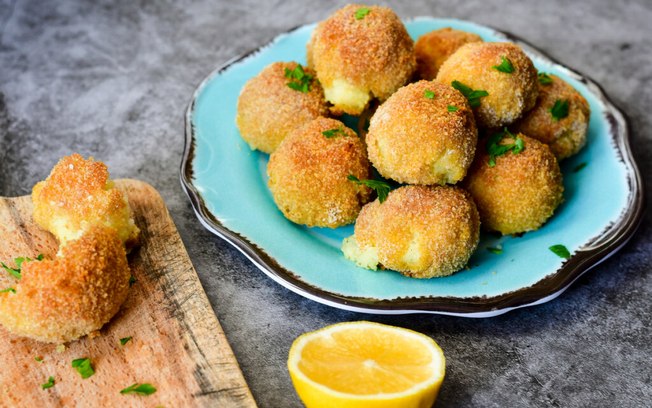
x,y
559,110
381,188
504,66
333,132
299,80
544,79
473,95
579,167
560,250
495,148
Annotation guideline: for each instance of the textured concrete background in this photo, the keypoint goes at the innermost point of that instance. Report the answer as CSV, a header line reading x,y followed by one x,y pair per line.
x,y
112,80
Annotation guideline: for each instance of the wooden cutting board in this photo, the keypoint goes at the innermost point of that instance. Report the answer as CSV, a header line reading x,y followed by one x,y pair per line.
x,y
178,345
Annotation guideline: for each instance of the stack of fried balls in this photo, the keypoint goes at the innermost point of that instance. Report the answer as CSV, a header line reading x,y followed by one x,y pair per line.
x,y
469,131
79,290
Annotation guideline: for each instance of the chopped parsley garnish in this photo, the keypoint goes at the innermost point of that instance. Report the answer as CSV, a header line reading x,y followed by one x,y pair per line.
x,y
579,167
142,389
12,290
83,367
125,340
559,110
452,108
473,95
381,188
48,384
560,250
333,132
39,359
299,80
132,280
15,272
429,94
495,250
361,13
495,148
544,79
505,65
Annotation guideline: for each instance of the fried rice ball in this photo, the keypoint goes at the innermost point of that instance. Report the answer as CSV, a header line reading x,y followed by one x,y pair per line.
x,y
521,190
433,48
76,293
419,231
308,174
565,130
77,195
479,66
283,96
423,134
360,53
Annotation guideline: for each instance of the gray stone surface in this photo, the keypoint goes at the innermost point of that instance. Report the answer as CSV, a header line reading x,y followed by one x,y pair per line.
x,y
112,80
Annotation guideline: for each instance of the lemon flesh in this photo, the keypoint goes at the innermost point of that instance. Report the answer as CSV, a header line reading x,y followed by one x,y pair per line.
x,y
364,364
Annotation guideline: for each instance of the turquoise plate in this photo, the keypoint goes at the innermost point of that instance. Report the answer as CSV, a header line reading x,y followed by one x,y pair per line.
x,y
226,183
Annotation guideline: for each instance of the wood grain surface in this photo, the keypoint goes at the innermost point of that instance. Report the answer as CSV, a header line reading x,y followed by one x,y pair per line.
x,y
178,345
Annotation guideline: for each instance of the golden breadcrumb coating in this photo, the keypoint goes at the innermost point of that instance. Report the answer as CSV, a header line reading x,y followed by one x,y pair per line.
x,y
357,59
268,109
421,140
72,295
520,192
510,94
565,136
308,174
433,48
78,195
419,231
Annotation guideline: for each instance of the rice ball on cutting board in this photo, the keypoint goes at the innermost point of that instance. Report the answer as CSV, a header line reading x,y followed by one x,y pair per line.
x,y
559,119
498,78
359,53
308,174
283,96
78,195
423,134
419,231
76,293
518,187
433,48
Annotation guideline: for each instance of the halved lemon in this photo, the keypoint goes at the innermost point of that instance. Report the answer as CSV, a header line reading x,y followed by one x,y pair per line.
x,y
365,364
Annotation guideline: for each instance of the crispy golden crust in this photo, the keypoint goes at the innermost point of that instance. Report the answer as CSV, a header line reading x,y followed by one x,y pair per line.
x,y
63,299
433,48
510,95
565,136
268,109
520,192
77,195
374,55
415,139
308,175
420,231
